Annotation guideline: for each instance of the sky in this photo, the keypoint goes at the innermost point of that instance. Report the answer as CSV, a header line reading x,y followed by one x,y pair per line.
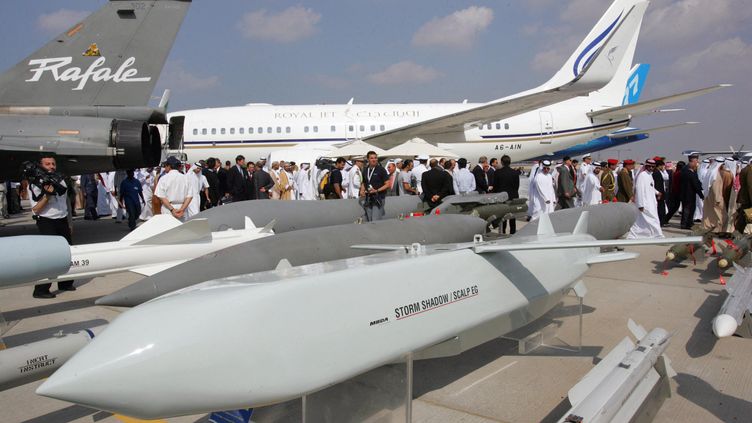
x,y
233,52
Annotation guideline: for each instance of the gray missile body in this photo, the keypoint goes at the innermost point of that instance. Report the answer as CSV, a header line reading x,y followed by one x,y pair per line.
x,y
295,215
37,360
298,248
43,257
607,221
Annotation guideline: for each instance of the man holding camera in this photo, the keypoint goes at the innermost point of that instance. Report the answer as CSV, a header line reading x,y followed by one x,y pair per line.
x,y
373,188
49,204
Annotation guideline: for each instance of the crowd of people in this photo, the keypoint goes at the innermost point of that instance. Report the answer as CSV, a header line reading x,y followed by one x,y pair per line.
x,y
713,195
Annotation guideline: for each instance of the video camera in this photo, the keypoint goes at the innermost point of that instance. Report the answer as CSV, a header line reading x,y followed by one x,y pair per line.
x,y
324,164
40,177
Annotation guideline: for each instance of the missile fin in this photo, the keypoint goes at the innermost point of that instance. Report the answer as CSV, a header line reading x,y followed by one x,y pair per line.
x,y
592,379
153,270
268,228
249,223
156,225
545,228
638,331
283,264
581,228
611,257
190,231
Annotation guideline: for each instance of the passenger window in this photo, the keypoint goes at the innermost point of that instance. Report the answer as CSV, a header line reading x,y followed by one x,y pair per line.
x,y
498,126
222,131
232,131
260,130
203,131
333,128
382,127
351,128
214,131
287,129
373,128
241,130
268,129
195,131
362,128
506,126
305,129
315,129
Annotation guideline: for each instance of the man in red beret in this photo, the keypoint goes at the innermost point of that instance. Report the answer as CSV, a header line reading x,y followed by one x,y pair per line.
x,y
625,182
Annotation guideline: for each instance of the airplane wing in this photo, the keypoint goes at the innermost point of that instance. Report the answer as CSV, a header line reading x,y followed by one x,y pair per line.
x,y
635,131
650,106
492,248
595,74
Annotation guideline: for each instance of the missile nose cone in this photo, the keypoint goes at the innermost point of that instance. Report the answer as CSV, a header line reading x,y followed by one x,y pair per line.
x,y
724,325
723,263
129,296
670,255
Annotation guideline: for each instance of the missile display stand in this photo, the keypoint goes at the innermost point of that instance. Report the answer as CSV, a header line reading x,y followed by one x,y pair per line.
x,y
745,329
547,332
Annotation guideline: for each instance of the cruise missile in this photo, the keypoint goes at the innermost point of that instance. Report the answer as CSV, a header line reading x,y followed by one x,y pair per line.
x,y
160,243
37,360
43,257
298,248
738,304
606,221
296,215
304,328
616,389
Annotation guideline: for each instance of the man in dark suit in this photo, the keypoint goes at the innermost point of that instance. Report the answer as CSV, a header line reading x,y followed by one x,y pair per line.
x,y
436,184
262,182
210,172
507,180
565,186
660,186
237,181
690,187
222,175
480,171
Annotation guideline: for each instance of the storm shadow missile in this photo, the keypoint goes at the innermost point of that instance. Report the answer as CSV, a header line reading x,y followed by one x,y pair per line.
x,y
298,248
320,324
738,304
624,381
28,258
606,221
296,215
160,243
37,360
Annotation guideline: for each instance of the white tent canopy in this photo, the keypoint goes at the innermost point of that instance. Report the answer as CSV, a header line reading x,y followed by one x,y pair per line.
x,y
356,148
417,146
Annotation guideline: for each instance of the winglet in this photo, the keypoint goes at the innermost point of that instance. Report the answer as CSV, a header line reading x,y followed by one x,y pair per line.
x,y
545,227
581,228
165,100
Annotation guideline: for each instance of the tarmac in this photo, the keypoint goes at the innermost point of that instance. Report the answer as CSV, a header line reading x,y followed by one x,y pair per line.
x,y
490,383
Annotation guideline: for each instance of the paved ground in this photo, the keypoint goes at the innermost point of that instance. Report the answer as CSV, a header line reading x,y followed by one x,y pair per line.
x,y
491,383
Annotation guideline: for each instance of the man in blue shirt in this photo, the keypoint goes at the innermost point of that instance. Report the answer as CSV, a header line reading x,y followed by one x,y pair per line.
x,y
131,198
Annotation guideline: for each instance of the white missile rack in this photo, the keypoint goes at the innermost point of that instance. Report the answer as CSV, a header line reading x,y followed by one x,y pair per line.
x,y
745,329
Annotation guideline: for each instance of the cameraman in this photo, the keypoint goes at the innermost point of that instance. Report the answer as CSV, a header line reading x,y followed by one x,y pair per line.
x,y
374,187
49,204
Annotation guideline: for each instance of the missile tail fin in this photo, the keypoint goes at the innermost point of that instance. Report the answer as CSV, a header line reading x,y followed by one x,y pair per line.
x,y
190,231
581,228
545,228
249,223
638,331
269,227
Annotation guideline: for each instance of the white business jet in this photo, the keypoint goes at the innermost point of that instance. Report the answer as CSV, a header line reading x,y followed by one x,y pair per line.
x,y
585,100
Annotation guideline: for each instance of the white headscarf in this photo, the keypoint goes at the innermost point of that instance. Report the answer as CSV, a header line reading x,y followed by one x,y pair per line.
x,y
712,174
731,165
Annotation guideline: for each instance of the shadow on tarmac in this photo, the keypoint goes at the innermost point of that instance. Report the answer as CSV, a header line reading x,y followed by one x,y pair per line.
x,y
725,407
46,333
69,414
702,341
50,308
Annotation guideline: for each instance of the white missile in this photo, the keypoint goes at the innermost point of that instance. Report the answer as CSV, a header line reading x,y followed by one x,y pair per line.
x,y
737,304
272,336
160,243
42,256
618,387
37,360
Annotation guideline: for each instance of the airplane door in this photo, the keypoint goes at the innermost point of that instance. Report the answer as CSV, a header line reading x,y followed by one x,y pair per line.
x,y
547,126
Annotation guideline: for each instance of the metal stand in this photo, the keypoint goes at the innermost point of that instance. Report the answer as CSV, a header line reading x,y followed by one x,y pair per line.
x,y
548,333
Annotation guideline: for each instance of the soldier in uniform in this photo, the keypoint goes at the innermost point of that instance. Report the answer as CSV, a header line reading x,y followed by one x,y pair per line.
x,y
608,180
625,183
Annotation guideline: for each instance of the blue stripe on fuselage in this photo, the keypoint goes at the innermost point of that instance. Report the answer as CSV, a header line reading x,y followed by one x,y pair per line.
x,y
592,146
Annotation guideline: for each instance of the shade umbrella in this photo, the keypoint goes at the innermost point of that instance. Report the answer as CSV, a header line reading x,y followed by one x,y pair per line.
x,y
356,148
416,147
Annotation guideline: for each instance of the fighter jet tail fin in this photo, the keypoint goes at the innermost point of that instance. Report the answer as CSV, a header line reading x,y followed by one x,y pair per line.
x,y
111,58
195,230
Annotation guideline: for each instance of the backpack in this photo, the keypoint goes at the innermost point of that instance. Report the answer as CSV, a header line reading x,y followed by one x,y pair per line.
x,y
325,187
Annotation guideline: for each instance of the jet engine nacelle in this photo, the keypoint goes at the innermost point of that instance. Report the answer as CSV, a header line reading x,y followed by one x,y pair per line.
x,y
81,144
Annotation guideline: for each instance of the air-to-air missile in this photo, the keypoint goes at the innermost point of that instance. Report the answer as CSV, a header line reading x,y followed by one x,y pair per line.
x,y
732,251
616,389
297,248
37,360
304,328
160,243
43,257
737,308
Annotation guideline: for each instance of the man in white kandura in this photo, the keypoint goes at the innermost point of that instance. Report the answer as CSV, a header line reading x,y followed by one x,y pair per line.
x,y
647,224
545,201
591,188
